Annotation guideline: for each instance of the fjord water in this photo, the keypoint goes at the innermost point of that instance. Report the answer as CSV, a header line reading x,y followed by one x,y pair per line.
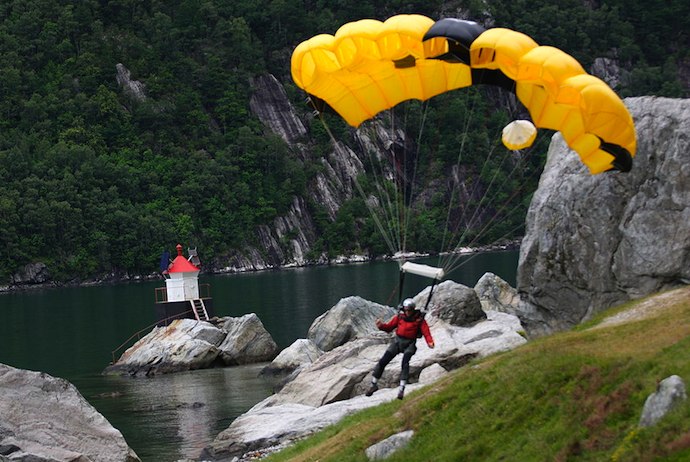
x,y
72,332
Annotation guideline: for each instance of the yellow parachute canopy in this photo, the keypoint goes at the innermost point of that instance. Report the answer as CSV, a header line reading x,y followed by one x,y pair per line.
x,y
369,66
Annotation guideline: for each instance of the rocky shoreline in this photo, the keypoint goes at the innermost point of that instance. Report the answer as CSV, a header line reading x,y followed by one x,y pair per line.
x,y
35,276
323,376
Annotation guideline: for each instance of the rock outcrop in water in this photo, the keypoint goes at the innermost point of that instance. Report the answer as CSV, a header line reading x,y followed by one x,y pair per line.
x,y
45,419
187,344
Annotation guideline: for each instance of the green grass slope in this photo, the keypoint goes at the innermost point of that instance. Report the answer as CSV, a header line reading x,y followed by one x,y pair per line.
x,y
575,395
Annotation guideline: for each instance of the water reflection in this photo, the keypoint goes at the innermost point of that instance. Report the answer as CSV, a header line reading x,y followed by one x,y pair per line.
x,y
175,416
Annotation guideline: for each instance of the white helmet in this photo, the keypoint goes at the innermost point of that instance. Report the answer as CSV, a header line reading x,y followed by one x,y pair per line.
x,y
409,303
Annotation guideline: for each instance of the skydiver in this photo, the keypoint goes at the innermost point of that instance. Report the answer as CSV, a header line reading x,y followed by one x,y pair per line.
x,y
409,324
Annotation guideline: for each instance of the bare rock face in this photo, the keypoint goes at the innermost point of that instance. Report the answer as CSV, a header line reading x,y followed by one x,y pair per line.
x,y
247,341
301,353
454,303
45,419
593,241
33,273
183,345
495,294
187,344
350,318
670,393
270,104
134,88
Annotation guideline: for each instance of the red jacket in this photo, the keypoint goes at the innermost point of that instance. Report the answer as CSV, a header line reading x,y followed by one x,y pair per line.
x,y
408,327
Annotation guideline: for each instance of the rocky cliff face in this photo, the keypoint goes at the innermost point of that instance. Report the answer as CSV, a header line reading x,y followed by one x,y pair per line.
x,y
288,241
594,241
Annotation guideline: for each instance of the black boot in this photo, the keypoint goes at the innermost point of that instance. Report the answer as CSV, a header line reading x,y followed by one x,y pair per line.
x,y
372,389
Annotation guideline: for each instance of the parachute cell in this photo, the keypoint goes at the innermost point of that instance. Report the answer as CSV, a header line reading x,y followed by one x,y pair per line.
x,y
500,49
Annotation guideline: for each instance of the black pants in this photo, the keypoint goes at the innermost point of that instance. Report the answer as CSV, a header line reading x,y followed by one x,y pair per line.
x,y
406,346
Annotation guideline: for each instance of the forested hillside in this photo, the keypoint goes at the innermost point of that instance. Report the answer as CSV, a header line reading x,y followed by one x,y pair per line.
x,y
95,180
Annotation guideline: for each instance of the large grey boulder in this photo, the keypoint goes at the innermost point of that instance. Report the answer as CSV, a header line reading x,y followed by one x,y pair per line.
x,y
301,353
45,419
385,448
267,426
334,375
454,303
495,294
323,392
345,371
593,241
350,318
333,386
185,344
669,394
247,341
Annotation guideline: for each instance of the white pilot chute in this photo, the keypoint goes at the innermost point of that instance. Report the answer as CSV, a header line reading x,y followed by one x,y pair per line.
x,y
436,274
423,270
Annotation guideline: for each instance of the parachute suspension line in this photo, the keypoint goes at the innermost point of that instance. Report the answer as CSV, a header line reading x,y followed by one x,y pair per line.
x,y
456,185
477,211
401,283
399,180
431,291
372,212
386,236
409,187
460,261
488,197
386,208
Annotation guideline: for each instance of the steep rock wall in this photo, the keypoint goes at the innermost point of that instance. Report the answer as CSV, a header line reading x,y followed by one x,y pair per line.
x,y
289,239
594,241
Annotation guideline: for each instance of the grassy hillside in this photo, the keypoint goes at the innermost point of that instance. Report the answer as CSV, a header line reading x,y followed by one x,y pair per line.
x,y
576,395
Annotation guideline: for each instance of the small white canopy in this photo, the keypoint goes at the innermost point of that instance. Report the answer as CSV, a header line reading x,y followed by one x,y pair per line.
x,y
423,270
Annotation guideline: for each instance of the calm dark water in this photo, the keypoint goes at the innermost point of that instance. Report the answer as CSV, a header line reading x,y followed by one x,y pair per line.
x,y
72,332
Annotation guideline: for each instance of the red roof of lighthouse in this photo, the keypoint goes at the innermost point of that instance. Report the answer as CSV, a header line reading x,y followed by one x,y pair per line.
x,y
180,264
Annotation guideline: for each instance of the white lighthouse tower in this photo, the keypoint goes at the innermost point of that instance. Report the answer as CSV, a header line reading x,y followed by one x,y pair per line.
x,y
181,297
183,283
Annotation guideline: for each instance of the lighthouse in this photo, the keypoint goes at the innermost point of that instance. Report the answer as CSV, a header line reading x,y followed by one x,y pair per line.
x,y
183,296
